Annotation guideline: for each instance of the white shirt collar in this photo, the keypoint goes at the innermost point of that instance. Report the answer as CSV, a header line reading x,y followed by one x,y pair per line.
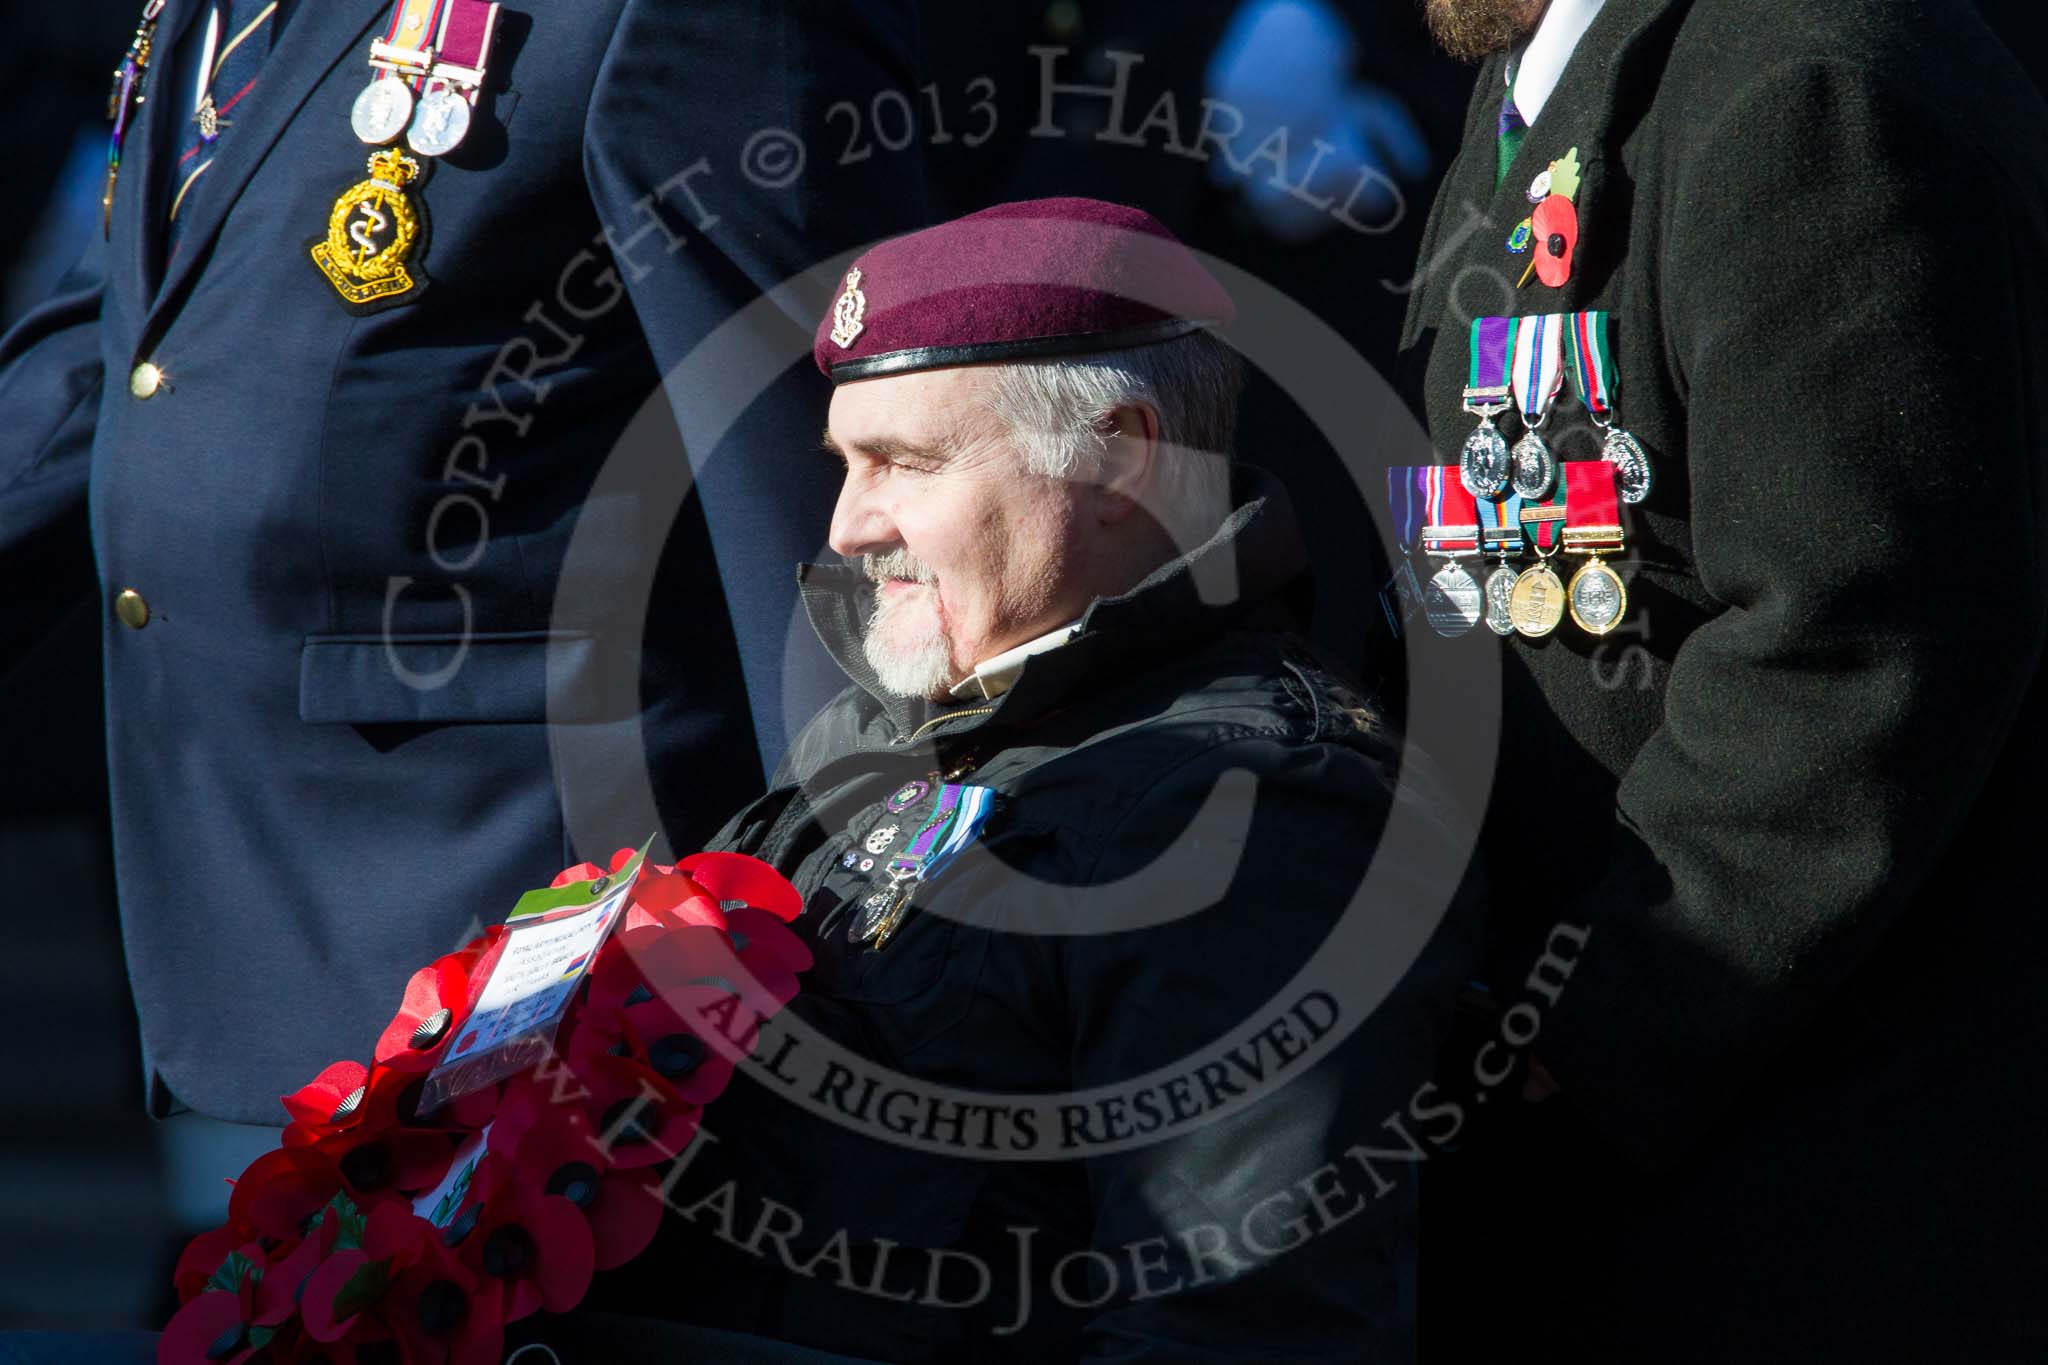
x,y
1534,74
993,677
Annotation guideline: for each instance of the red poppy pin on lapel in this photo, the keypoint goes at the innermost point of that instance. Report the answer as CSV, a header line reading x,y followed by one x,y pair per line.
x,y
1551,233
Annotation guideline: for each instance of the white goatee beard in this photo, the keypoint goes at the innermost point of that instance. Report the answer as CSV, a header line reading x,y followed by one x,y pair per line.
x,y
921,666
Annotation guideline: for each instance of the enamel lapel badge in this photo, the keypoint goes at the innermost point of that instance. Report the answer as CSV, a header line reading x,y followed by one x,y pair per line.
x,y
1550,234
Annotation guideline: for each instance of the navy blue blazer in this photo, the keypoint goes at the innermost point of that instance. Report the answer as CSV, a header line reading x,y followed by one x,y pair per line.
x,y
421,609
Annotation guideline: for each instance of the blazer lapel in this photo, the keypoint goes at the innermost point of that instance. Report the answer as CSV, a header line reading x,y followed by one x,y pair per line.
x,y
150,151
1581,113
319,34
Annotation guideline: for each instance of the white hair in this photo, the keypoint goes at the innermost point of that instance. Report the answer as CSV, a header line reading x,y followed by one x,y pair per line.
x,y
1055,411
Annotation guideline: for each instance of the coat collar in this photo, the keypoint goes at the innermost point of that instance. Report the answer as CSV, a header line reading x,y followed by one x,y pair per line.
x,y
320,34
1255,554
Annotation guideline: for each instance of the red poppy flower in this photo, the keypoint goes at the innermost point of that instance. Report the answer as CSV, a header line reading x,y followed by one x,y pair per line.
x,y
534,1245
323,1257
437,1000
436,1307
203,1255
672,1034
210,1329
769,950
329,1103
638,1117
552,1149
216,1323
664,898
1556,226
282,1189
277,1294
672,961
736,877
381,1143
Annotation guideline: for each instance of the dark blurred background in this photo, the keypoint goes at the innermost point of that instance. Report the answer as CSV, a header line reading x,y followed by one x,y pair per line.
x,y
86,1228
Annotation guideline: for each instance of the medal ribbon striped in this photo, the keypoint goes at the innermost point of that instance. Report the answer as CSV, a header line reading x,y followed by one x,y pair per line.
x,y
1592,506
1493,350
1500,525
953,825
1405,501
414,23
1538,363
1453,526
1591,361
1544,521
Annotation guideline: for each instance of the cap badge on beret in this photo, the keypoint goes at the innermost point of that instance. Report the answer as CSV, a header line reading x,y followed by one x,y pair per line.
x,y
1024,281
848,311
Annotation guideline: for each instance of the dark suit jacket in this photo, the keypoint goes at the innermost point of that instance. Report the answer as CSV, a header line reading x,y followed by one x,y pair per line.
x,y
380,551
1793,796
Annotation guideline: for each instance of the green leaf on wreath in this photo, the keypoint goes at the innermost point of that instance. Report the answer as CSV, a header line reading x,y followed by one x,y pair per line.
x,y
236,1270
260,1337
349,1221
364,1288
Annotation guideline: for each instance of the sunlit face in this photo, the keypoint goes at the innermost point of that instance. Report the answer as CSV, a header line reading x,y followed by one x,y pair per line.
x,y
973,554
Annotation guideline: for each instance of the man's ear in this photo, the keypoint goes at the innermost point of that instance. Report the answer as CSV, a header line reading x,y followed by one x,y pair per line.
x,y
1130,461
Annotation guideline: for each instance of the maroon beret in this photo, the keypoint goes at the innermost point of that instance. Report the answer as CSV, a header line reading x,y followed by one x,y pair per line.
x,y
1042,277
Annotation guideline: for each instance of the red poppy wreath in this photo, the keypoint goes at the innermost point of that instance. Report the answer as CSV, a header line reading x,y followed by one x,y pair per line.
x,y
380,1233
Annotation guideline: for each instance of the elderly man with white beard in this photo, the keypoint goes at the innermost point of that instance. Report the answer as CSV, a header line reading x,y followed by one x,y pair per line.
x,y
1134,950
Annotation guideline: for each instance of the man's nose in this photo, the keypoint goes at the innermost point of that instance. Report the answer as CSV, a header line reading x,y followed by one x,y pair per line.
x,y
860,523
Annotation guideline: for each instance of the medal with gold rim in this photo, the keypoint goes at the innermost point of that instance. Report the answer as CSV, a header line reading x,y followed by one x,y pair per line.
x,y
1536,603
1597,596
374,231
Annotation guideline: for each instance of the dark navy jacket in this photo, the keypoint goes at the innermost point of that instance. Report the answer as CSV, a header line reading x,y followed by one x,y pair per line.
x,y
378,552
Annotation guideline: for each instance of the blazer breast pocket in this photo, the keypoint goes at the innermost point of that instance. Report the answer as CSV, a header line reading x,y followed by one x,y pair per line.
x,y
508,677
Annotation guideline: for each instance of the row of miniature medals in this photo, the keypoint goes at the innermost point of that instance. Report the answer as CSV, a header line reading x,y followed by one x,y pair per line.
x,y
1496,500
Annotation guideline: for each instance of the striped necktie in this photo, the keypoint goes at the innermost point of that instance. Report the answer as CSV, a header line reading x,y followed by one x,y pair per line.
x,y
1513,128
236,40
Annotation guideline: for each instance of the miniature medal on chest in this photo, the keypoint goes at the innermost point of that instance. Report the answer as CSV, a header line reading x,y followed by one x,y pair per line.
x,y
1589,358
1597,596
123,100
1451,600
954,821
1500,534
1538,375
426,72
1483,464
1536,602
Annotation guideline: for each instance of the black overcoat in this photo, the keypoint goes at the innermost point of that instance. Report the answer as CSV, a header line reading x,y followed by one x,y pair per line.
x,y
1794,795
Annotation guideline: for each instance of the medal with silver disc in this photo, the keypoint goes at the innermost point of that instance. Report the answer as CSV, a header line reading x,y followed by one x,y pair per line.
x,y
382,110
1483,465
1500,533
440,122
398,63
1597,597
462,46
1538,374
1451,601
1631,464
1590,360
